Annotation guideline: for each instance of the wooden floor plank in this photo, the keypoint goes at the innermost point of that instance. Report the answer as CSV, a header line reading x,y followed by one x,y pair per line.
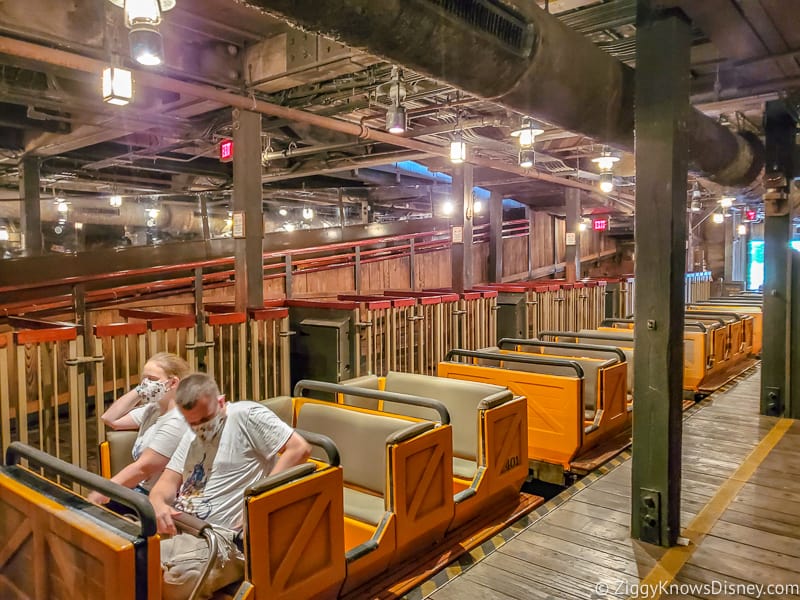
x,y
504,572
775,543
642,555
712,555
697,575
583,578
763,520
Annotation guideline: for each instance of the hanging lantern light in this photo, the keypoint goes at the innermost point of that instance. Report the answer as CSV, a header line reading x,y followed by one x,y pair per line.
x,y
142,18
718,218
526,135
458,149
115,200
605,163
117,85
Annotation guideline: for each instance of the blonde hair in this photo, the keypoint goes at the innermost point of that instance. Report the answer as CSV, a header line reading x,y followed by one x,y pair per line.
x,y
172,364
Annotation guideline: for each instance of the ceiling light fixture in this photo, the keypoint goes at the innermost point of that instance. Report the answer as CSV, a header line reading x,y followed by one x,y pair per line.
x,y
718,218
458,149
115,200
526,135
396,116
142,18
447,208
607,182
308,213
62,206
605,162
726,202
153,213
283,212
527,158
117,85
742,229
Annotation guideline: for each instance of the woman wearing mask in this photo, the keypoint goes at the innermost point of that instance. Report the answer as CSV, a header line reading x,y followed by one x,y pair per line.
x,y
150,408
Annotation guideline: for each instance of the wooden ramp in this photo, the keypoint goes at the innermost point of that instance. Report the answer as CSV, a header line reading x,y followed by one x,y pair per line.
x,y
740,469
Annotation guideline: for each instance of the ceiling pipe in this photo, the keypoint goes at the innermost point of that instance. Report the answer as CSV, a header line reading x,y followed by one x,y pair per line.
x,y
68,60
547,71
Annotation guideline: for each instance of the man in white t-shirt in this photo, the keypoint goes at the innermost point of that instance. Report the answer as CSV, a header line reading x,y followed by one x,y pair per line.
x,y
229,447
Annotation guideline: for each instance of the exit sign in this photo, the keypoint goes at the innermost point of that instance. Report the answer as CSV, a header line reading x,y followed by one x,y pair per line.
x,y
226,150
600,224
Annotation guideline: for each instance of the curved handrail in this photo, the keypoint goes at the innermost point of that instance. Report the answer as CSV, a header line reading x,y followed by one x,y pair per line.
x,y
127,497
716,312
335,388
607,322
526,360
600,335
322,441
593,347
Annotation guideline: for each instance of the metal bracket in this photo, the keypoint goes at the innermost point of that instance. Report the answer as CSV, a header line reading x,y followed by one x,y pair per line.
x,y
197,345
650,516
83,360
364,324
287,333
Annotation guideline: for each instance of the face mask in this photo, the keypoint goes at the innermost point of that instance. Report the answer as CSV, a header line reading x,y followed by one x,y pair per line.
x,y
206,431
151,391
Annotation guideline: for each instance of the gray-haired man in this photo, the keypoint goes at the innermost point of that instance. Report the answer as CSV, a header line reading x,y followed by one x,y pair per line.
x,y
229,447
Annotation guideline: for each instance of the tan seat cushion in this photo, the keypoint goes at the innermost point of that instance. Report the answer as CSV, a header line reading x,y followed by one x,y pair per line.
x,y
282,407
370,382
120,445
465,469
360,437
461,398
364,507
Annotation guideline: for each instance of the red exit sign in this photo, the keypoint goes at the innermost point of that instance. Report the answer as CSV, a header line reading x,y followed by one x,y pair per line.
x,y
749,215
226,150
600,224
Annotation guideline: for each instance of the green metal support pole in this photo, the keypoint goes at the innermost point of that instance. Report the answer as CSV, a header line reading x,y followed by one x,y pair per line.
x,y
573,242
249,249
779,127
31,215
461,249
662,110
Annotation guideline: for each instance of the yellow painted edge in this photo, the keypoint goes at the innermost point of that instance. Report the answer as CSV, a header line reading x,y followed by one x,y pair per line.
x,y
673,560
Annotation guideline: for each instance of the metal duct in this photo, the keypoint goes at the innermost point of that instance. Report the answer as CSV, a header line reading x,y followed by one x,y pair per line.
x,y
521,57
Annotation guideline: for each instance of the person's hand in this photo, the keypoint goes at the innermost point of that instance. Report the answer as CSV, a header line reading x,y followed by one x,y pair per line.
x,y
164,514
97,498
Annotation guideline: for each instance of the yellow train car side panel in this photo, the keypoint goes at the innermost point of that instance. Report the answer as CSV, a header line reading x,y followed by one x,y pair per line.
x,y
694,359
373,563
613,399
554,407
422,491
504,431
295,538
49,552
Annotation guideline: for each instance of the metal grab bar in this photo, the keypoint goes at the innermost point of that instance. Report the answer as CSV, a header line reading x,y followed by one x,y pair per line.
x,y
527,360
607,322
594,347
324,386
322,441
199,528
600,335
127,497
716,312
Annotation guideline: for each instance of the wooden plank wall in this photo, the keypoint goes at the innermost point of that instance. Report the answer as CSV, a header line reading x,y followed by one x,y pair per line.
x,y
515,256
384,275
542,243
432,270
